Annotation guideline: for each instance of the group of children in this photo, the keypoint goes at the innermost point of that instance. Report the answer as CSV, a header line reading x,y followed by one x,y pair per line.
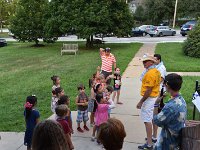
x,y
99,104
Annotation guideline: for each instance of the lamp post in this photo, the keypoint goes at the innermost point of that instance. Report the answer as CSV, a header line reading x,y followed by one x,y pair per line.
x,y
175,9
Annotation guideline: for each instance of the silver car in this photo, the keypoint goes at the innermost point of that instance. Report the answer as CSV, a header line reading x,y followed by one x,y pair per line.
x,y
146,28
162,31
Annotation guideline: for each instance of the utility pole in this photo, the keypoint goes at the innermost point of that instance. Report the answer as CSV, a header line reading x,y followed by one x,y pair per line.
x,y
175,9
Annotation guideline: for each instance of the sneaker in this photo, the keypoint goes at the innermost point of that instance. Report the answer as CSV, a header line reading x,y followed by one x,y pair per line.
x,y
153,140
86,128
98,142
93,138
145,147
80,130
91,125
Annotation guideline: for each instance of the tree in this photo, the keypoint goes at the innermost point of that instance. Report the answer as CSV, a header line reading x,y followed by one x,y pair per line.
x,y
155,11
140,14
192,44
121,18
159,10
29,21
60,15
88,18
7,9
193,8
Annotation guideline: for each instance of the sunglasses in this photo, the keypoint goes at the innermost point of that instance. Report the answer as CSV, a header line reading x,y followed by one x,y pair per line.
x,y
166,82
107,49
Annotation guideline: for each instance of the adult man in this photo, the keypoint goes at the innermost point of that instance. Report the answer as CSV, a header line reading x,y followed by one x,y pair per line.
x,y
108,60
160,66
172,117
149,91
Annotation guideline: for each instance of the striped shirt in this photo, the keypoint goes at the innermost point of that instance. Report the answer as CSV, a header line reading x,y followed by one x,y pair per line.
x,y
107,62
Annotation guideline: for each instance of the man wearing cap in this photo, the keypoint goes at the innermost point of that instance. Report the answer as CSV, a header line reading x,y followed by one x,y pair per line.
x,y
108,60
151,79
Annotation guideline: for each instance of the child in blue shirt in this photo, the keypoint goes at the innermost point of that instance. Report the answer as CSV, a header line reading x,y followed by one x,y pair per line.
x,y
31,118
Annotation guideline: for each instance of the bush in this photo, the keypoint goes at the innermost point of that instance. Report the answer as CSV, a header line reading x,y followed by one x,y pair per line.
x,y
191,46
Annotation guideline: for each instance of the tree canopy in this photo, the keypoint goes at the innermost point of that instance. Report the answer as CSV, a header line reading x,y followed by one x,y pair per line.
x,y
159,10
29,20
89,18
7,9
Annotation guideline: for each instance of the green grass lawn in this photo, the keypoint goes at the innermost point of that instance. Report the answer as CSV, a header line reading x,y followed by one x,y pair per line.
x,y
175,60
187,90
4,35
26,70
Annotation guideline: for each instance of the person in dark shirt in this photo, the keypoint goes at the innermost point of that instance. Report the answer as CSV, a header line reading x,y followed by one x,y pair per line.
x,y
49,135
82,108
31,118
61,112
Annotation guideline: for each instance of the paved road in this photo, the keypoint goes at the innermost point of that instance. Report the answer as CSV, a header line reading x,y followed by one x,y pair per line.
x,y
146,39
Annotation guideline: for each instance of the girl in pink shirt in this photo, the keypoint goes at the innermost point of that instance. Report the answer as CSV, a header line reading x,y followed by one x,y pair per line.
x,y
101,113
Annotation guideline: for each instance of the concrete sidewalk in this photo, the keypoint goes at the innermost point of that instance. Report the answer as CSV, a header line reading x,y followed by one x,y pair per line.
x,y
127,113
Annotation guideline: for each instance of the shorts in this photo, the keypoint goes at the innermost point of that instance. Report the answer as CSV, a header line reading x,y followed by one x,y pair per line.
x,y
91,105
147,109
82,116
106,74
117,89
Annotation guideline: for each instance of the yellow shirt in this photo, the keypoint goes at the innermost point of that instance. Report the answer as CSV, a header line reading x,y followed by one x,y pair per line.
x,y
151,79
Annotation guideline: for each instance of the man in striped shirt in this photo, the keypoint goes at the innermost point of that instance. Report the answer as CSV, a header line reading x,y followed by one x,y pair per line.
x,y
108,61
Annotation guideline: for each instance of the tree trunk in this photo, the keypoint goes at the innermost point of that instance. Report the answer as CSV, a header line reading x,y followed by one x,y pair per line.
x,y
89,43
36,42
1,22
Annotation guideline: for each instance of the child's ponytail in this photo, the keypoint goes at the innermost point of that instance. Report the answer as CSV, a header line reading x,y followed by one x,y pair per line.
x,y
96,87
54,78
30,103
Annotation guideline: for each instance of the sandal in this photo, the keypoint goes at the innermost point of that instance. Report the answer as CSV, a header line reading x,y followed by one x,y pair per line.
x,y
119,103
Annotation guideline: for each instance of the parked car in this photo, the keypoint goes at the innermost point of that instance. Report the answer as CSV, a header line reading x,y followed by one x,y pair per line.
x,y
164,24
192,22
3,42
141,30
162,31
146,28
187,27
101,35
138,32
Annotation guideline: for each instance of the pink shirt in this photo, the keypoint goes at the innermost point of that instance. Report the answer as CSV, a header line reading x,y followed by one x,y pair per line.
x,y
101,114
107,62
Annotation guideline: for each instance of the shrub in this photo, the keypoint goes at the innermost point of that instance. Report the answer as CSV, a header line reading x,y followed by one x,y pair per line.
x,y
191,46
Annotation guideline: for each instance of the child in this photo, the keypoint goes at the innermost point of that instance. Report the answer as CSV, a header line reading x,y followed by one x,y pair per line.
x,y
31,118
91,105
56,84
95,78
82,106
49,135
117,84
112,134
58,93
101,114
109,100
103,81
61,112
64,100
